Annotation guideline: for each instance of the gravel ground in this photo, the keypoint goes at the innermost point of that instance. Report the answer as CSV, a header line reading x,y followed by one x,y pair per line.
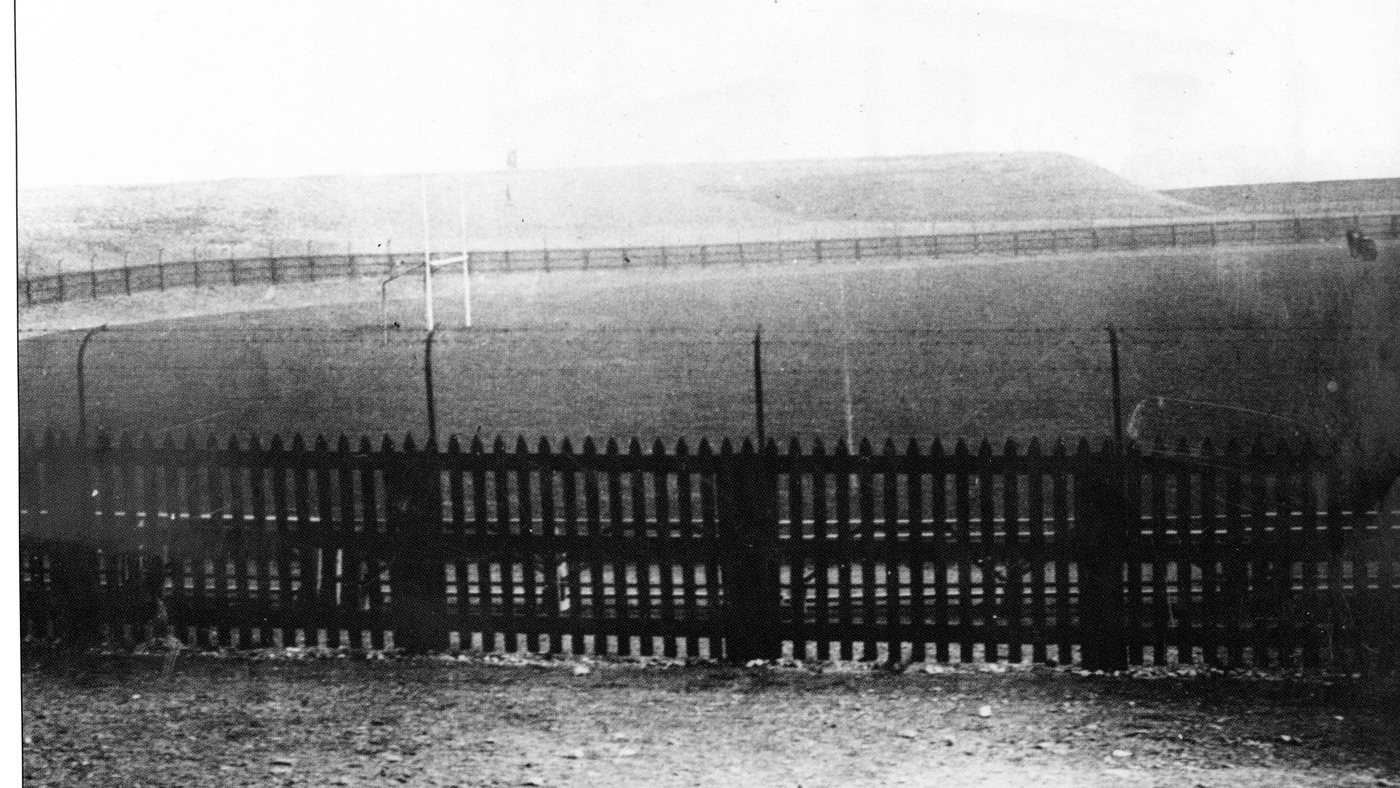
x,y
552,723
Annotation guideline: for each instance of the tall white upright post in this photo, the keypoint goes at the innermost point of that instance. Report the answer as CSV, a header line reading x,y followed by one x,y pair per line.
x,y
427,257
466,264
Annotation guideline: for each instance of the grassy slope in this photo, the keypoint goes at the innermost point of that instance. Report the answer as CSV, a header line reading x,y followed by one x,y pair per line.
x,y
1374,194
933,349
596,207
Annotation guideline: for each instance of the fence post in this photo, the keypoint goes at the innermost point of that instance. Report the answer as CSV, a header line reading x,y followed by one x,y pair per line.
x,y
1173,235
749,553
160,269
62,286
857,250
1395,225
310,263
92,275
1015,242
819,250
28,292
1094,237
74,569
1298,229
704,255
1213,240
1100,512
126,272
271,263
413,514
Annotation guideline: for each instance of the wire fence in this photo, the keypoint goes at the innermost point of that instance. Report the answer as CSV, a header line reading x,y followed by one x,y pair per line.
x,y
1314,383
127,279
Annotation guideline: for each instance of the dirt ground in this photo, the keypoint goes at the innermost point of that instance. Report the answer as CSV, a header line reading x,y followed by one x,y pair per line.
x,y
548,723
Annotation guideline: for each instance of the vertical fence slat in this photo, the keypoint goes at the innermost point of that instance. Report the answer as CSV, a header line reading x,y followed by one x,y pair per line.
x,y
289,556
918,549
501,481
1017,562
1210,568
690,538
821,565
527,615
639,536
1141,553
865,502
709,516
573,562
894,553
616,564
938,512
593,525
845,609
1036,549
1161,603
547,599
962,515
223,522
986,518
328,539
665,557
1185,612
370,573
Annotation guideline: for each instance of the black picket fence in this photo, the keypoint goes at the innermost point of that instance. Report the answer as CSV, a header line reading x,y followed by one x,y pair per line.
x,y
99,282
1262,557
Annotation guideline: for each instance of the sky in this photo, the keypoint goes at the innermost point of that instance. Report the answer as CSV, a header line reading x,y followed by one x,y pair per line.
x,y
1186,93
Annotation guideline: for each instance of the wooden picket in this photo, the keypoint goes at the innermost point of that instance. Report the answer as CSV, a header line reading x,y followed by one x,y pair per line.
x,y
1261,556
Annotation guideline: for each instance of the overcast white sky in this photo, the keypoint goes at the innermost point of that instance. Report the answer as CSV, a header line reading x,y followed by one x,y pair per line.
x,y
1169,93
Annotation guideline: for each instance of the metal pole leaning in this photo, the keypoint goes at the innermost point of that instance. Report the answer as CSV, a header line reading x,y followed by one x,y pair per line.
x,y
428,385
82,382
1117,388
758,383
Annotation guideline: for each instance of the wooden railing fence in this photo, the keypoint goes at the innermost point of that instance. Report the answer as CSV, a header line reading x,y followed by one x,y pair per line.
x,y
99,282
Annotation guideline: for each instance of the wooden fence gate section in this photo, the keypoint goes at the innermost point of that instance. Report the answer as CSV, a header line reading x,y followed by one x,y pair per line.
x,y
1233,557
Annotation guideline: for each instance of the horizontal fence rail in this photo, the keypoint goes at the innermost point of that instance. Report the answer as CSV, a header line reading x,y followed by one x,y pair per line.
x,y
100,282
1260,557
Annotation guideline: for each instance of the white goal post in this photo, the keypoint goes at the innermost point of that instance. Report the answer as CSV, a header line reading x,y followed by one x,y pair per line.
x,y
429,264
